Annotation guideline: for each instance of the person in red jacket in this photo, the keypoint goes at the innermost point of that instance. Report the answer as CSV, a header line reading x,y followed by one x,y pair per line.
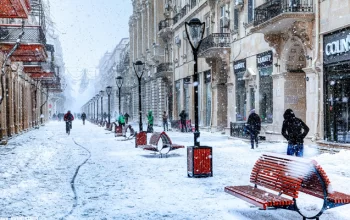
x,y
68,118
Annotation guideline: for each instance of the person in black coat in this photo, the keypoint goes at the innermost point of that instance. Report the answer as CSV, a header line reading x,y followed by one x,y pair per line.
x,y
126,116
183,116
254,126
294,130
83,117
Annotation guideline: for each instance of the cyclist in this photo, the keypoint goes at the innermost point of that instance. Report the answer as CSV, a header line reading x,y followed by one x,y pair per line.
x,y
68,118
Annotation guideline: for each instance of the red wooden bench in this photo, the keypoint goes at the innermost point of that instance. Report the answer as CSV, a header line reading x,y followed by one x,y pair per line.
x,y
165,148
287,176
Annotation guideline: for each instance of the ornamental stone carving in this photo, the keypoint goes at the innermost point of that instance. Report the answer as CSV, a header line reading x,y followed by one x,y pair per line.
x,y
302,30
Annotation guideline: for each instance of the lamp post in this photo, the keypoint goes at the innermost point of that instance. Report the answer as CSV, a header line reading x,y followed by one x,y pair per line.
x,y
139,68
96,98
199,158
119,82
101,95
195,31
109,92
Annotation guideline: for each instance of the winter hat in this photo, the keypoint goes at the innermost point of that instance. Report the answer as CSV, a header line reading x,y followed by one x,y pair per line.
x,y
252,111
288,114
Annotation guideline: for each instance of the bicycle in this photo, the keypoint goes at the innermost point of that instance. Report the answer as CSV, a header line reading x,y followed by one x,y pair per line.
x,y
68,127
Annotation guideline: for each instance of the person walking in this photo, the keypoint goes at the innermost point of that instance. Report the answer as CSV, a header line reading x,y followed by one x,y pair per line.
x,y
83,117
150,122
126,116
254,126
165,121
294,130
121,120
183,116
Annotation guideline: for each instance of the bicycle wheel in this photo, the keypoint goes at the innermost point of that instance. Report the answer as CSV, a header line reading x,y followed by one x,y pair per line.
x,y
68,128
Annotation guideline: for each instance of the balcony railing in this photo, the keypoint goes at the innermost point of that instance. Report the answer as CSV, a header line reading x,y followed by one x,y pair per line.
x,y
32,34
215,40
166,23
182,13
273,8
120,67
164,67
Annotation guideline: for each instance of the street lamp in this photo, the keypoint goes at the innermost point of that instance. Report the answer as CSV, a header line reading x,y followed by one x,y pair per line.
x,y
101,95
139,68
197,155
109,92
96,98
119,81
195,31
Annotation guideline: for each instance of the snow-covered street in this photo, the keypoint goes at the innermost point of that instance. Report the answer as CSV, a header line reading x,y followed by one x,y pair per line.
x,y
111,179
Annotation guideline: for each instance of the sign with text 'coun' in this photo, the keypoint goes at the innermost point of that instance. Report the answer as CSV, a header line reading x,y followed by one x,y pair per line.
x,y
336,46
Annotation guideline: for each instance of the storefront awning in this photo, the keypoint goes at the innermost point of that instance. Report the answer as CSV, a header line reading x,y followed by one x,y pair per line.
x,y
249,74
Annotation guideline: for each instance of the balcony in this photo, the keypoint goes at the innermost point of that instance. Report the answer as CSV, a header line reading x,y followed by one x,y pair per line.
x,y
276,15
182,13
165,27
120,68
126,58
32,45
164,70
42,71
215,45
14,8
157,54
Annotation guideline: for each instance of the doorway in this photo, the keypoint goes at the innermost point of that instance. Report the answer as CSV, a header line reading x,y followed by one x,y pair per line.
x,y
337,107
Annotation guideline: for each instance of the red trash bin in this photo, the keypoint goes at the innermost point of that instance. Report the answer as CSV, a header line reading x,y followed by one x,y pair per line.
x,y
199,161
141,138
118,130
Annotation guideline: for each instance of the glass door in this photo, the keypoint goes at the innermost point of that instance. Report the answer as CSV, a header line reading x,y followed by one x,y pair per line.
x,y
337,109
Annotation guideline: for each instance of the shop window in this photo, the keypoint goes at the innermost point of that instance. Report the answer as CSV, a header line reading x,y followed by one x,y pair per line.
x,y
266,95
178,97
240,98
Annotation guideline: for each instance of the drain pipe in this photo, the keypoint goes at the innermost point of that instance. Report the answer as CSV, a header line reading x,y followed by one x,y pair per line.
x,y
18,41
317,23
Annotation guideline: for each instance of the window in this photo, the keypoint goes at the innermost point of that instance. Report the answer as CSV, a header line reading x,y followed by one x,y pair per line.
x,y
235,25
250,11
240,97
224,19
193,3
207,25
266,94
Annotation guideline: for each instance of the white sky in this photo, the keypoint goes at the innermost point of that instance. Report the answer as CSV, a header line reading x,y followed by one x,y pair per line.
x,y
89,28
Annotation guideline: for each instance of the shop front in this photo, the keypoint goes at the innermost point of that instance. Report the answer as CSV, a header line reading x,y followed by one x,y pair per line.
x,y
265,68
336,58
241,105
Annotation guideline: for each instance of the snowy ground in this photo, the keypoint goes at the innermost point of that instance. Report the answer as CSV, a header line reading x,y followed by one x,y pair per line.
x,y
114,180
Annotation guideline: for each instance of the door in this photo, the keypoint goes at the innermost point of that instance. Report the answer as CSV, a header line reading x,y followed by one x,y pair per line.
x,y
337,108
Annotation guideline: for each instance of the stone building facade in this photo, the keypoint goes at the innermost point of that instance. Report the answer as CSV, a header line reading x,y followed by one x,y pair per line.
x,y
147,46
26,77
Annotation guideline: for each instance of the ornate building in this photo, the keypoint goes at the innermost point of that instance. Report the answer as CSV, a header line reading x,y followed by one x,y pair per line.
x,y
28,73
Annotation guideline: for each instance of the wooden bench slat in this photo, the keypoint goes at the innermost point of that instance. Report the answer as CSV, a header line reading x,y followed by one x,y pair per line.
x,y
262,198
338,197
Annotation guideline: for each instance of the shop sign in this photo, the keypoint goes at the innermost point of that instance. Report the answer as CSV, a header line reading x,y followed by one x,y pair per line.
x,y
207,75
336,46
239,66
264,59
187,80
